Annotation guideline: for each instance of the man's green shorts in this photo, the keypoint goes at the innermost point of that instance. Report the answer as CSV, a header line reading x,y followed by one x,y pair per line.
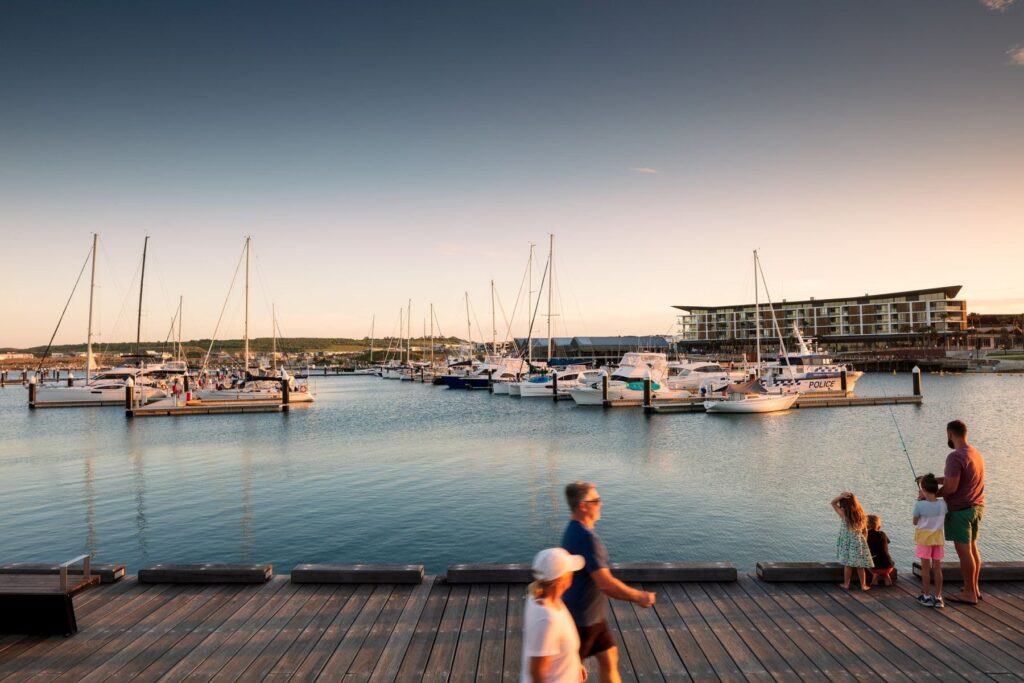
x,y
962,526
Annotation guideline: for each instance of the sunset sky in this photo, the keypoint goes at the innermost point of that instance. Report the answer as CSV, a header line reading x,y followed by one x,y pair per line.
x,y
378,151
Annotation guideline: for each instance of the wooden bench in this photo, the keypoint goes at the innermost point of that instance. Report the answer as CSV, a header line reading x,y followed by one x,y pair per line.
x,y
804,572
990,571
41,603
626,571
358,573
206,573
108,573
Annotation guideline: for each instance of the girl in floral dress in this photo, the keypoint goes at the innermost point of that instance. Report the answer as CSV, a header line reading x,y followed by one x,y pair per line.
x,y
852,549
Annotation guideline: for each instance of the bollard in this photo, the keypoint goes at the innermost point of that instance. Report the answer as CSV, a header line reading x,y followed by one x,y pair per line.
x,y
32,393
604,387
286,395
71,379
842,381
129,398
647,391
916,374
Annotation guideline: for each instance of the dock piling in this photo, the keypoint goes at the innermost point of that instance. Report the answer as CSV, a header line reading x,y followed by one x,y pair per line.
x,y
647,390
842,381
554,385
129,398
604,388
32,393
286,395
916,374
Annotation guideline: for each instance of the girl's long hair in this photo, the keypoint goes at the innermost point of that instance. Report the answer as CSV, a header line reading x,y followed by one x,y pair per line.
x,y
538,589
854,515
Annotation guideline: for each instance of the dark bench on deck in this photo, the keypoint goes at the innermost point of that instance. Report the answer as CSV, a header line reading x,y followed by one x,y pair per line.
x,y
804,572
208,573
990,571
108,573
357,573
41,603
628,571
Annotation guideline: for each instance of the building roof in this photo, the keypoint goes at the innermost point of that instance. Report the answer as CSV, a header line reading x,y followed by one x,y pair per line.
x,y
949,292
622,341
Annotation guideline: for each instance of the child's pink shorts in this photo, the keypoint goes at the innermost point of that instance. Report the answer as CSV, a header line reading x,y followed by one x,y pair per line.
x,y
931,552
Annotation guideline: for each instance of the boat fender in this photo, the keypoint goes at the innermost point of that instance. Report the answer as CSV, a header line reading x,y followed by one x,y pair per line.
x,y
303,389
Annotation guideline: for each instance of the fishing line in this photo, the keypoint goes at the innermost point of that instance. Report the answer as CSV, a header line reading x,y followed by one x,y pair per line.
x,y
902,442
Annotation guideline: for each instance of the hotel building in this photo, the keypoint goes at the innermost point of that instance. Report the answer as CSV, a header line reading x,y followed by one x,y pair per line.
x,y
851,321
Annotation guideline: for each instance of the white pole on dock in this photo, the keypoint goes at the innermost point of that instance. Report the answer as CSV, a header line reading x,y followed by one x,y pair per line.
x,y
92,293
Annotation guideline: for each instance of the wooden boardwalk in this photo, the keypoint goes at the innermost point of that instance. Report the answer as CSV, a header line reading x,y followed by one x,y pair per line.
x,y
746,630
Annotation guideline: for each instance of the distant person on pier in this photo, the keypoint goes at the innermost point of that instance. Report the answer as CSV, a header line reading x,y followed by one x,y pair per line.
x,y
963,489
551,644
591,584
852,550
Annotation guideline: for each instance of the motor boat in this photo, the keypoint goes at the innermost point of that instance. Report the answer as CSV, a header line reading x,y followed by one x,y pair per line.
x,y
626,382
692,375
808,371
493,369
542,386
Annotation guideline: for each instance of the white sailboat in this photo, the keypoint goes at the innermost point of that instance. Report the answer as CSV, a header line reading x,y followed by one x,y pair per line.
x,y
752,396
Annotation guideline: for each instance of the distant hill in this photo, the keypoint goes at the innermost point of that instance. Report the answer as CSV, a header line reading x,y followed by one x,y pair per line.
x,y
258,345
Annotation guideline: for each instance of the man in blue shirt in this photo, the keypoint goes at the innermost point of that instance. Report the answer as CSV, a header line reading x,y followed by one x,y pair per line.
x,y
591,585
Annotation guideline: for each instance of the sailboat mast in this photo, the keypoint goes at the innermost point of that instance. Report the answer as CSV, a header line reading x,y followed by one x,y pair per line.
x,y
469,330
181,355
273,341
494,324
246,357
431,336
373,321
757,317
401,332
142,280
529,310
92,293
551,290
408,332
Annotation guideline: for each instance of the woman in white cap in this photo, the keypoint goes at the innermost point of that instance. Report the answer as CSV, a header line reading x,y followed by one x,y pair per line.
x,y
551,644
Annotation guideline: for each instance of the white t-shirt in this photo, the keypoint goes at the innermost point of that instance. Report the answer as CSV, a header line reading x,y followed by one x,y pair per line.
x,y
550,632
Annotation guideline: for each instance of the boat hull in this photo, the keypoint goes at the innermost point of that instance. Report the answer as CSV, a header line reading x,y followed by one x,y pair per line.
x,y
761,404
502,388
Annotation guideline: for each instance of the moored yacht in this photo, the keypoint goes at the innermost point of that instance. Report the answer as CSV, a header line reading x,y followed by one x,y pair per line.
x,y
626,381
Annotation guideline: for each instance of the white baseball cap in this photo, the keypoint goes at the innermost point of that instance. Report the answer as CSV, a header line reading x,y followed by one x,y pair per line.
x,y
551,563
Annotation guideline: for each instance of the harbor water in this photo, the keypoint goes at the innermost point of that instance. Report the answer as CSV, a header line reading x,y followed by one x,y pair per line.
x,y
387,471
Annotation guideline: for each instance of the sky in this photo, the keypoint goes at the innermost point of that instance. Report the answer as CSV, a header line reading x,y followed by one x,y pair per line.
x,y
379,151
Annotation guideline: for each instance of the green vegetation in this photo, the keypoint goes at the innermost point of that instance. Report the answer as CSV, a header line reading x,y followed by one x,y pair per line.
x,y
194,347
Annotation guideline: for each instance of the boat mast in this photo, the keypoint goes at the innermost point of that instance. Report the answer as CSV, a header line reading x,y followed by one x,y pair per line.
x,y
273,338
181,355
408,333
401,332
142,280
529,310
247,249
469,330
92,293
431,336
373,321
757,318
551,290
494,324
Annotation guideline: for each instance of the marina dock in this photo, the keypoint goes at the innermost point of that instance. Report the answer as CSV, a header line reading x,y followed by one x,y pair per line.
x,y
696,404
437,631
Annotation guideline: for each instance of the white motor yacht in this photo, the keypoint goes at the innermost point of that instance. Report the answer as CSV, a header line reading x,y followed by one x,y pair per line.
x,y
626,381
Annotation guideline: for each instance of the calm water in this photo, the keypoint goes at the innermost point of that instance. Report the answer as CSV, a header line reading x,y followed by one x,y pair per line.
x,y
381,471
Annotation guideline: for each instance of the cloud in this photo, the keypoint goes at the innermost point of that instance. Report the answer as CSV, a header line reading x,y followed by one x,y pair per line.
x,y
997,5
1016,55
644,169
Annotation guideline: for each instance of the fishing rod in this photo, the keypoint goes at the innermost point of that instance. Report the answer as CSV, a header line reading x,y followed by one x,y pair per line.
x,y
902,442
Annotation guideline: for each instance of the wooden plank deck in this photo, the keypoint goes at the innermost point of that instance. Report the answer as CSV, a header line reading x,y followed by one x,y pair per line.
x,y
743,631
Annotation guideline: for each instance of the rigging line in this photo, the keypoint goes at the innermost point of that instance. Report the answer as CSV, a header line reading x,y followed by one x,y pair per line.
x,y
536,308
482,337
220,318
508,326
515,308
61,319
126,299
775,320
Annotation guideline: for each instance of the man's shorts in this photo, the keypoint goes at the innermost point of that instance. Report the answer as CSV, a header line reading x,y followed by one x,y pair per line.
x,y
962,526
930,552
595,639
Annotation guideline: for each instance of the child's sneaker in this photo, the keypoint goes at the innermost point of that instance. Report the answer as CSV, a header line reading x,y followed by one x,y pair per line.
x,y
937,602
926,600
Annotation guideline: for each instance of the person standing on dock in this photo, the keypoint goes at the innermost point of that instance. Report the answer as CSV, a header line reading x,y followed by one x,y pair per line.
x,y
590,585
963,489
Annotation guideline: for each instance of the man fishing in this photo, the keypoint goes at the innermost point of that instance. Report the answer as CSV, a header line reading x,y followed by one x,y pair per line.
x,y
963,488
